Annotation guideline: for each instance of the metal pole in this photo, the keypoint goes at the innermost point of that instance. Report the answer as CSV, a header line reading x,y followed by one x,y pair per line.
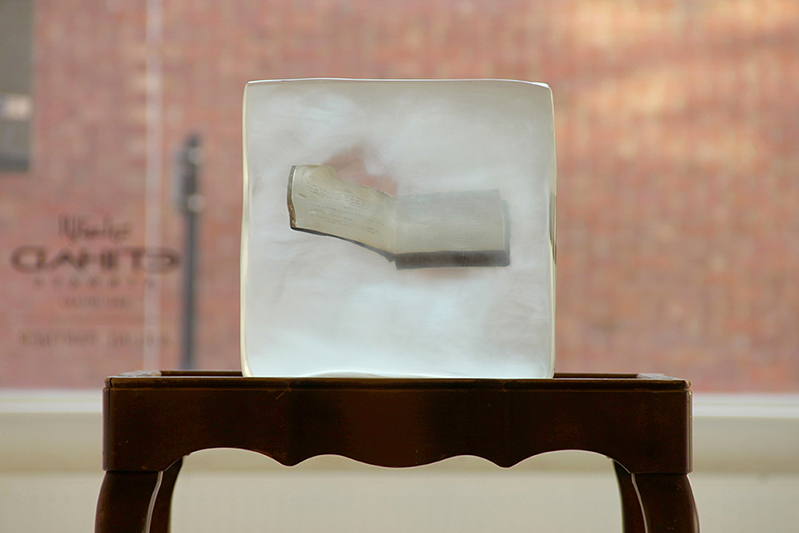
x,y
190,202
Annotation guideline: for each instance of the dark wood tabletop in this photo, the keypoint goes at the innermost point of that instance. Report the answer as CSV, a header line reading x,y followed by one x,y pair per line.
x,y
642,422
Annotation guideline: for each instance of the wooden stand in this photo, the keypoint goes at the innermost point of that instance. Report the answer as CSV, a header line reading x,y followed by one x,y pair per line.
x,y
151,421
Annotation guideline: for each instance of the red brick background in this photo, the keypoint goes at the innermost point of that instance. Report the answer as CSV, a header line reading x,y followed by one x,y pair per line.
x,y
677,133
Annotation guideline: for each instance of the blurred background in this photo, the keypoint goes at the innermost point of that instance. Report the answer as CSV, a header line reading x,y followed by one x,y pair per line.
x,y
677,125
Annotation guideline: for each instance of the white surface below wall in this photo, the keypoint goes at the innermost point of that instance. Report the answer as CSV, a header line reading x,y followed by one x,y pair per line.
x,y
399,501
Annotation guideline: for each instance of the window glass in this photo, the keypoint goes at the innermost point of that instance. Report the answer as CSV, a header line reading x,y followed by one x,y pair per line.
x,y
15,84
676,129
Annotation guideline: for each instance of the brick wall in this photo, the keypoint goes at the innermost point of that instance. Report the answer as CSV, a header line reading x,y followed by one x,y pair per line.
x,y
677,126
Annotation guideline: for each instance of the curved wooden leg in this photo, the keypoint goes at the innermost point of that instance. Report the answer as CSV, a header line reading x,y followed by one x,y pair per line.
x,y
667,502
631,516
163,502
126,502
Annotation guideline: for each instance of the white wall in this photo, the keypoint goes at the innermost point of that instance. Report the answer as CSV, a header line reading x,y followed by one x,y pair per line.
x,y
746,478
